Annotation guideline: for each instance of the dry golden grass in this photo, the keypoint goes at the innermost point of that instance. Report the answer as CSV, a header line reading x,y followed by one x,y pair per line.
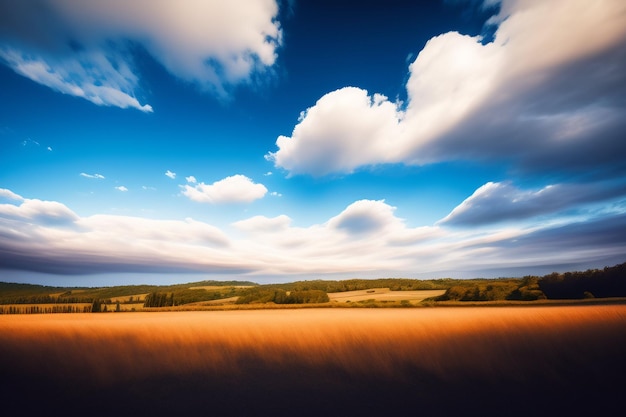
x,y
441,361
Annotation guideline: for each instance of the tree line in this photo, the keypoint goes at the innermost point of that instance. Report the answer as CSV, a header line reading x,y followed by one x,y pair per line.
x,y
45,309
280,296
592,283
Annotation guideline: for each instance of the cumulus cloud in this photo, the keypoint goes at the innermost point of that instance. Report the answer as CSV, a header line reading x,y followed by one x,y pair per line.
x,y
93,176
121,188
34,210
233,189
191,179
170,174
541,95
366,216
82,48
503,201
364,239
345,129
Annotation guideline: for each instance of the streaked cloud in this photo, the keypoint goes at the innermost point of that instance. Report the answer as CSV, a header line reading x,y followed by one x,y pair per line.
x,y
365,239
541,95
497,202
233,189
170,174
92,176
121,188
83,49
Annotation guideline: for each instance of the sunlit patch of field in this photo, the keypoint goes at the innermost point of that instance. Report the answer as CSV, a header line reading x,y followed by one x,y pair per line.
x,y
218,302
384,294
564,360
128,298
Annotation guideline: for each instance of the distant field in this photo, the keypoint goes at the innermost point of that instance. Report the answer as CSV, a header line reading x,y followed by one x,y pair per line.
x,y
508,361
384,294
229,300
219,288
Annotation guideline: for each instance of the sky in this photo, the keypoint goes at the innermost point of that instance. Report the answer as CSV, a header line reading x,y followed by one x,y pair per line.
x,y
170,141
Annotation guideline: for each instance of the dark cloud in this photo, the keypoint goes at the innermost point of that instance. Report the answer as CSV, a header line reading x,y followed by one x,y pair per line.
x,y
497,202
568,122
595,239
59,262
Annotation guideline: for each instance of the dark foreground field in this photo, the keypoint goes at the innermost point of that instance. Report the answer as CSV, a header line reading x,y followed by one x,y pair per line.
x,y
504,361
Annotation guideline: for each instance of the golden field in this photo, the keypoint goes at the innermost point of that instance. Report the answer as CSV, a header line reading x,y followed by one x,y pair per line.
x,y
436,361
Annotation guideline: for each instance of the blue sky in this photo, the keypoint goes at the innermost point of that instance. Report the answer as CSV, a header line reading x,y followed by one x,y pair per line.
x,y
173,141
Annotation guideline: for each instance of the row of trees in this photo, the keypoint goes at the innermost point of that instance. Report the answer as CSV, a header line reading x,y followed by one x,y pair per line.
x,y
280,296
44,299
601,283
592,283
47,309
159,299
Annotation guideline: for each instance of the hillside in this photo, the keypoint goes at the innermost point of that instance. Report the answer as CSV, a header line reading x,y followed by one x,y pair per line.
x,y
29,298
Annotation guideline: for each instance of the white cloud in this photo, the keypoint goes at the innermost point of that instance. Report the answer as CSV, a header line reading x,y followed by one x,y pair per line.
x,y
366,217
345,129
92,176
214,44
121,188
262,224
268,173
4,193
44,212
233,189
170,174
93,76
191,179
366,239
276,194
536,89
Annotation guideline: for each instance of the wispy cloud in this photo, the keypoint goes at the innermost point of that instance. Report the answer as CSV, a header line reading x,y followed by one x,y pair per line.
x,y
191,179
214,45
121,188
92,176
170,174
94,76
233,189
